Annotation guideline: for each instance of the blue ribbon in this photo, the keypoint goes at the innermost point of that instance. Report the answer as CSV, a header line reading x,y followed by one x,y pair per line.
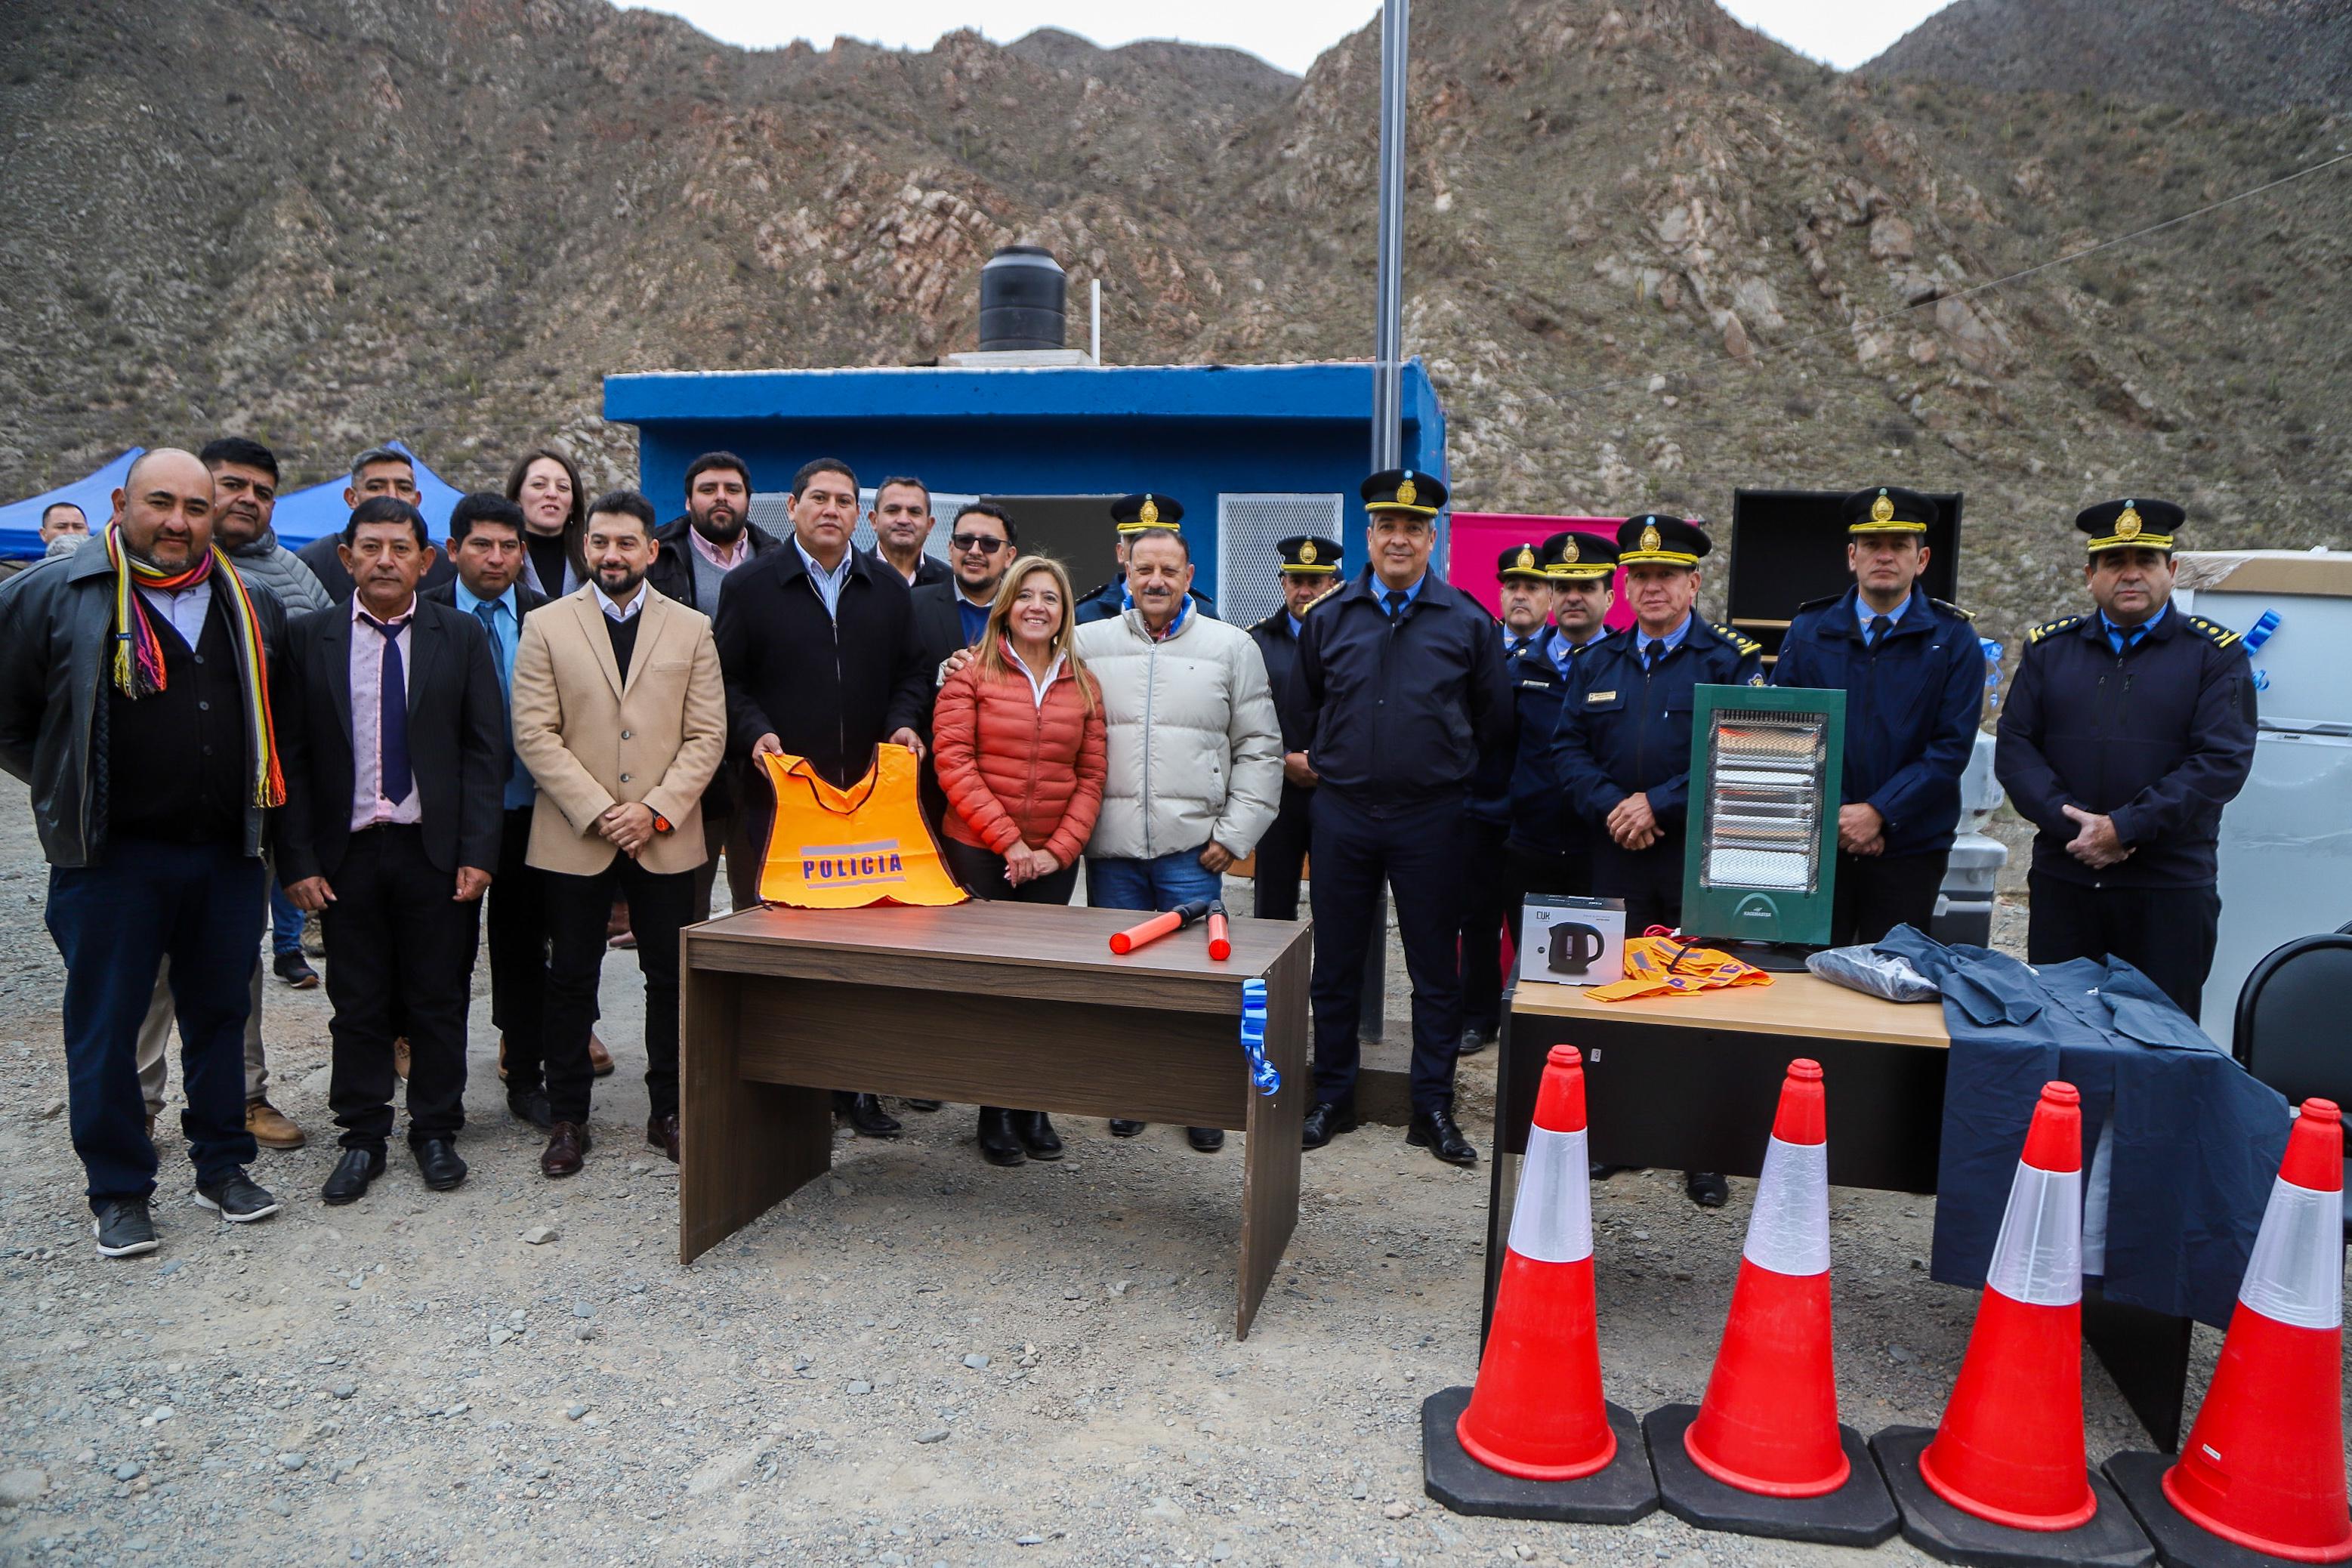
x,y
1263,1073
2260,632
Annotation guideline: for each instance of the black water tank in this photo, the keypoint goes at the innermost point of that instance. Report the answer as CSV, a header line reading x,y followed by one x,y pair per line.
x,y
1023,299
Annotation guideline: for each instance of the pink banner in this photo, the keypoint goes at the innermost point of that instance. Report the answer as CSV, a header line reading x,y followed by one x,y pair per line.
x,y
1478,538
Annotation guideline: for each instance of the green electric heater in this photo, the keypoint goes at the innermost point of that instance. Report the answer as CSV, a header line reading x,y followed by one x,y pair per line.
x,y
1759,863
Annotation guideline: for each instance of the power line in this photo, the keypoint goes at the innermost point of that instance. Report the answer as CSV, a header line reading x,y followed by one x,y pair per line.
x,y
1992,284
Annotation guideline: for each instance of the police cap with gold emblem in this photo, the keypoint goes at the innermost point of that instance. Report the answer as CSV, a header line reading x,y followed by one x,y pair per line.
x,y
1137,513
1653,539
1889,508
1308,555
2131,524
1570,553
1404,489
1524,562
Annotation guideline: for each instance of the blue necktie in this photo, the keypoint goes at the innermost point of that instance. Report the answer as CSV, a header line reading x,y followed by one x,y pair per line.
x,y
1396,599
1879,626
2119,639
391,719
489,615
1653,651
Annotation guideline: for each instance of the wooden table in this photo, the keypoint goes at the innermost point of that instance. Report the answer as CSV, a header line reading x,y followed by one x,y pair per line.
x,y
1691,1083
983,1004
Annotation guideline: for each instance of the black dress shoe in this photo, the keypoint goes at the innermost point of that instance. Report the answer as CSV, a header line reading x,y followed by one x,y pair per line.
x,y
1474,1040
1434,1131
921,1104
438,1163
1706,1189
1122,1128
1207,1140
348,1181
999,1145
865,1113
531,1105
1035,1131
1326,1119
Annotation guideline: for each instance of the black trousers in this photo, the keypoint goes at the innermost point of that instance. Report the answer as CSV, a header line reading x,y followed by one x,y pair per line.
x,y
1875,893
1488,910
516,924
398,945
727,825
981,873
659,904
1416,851
1649,880
115,921
1282,857
2165,933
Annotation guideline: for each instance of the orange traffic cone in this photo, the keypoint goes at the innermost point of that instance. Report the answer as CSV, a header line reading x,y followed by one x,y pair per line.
x,y
1769,1424
1535,1411
2010,1447
2264,1466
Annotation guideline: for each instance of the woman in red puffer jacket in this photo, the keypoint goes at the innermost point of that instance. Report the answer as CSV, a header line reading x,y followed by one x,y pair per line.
x,y
1017,741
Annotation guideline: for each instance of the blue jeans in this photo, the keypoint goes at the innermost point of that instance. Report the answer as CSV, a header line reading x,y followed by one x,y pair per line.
x,y
285,922
114,923
1160,883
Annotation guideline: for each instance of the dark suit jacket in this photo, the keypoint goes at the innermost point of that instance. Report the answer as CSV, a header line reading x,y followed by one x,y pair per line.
x,y
458,745
319,556
828,689
938,630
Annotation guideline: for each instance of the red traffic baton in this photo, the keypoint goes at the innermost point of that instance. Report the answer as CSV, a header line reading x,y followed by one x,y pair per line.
x,y
1221,939
1159,925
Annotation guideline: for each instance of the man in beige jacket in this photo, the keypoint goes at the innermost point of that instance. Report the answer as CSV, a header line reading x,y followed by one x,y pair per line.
x,y
620,715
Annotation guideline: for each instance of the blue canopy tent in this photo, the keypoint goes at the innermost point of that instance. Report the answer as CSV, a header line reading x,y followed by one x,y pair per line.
x,y
20,522
306,514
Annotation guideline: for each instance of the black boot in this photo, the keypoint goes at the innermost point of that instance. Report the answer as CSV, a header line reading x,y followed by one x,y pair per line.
x,y
1436,1131
1706,1189
1207,1140
1122,1127
864,1113
1324,1120
998,1143
1035,1131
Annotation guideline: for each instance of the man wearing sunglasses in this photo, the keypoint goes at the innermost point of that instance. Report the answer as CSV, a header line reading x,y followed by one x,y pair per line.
x,y
950,615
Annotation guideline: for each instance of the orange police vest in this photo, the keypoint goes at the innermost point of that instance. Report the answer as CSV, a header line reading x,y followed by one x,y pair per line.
x,y
842,849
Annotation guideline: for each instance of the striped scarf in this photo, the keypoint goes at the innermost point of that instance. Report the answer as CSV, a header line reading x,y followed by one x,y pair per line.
x,y
138,663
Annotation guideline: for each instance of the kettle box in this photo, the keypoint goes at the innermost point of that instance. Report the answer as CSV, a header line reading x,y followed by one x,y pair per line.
x,y
1572,942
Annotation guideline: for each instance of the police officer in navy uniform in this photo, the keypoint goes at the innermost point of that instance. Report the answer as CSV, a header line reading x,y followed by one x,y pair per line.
x,y
1401,678
2127,732
1525,593
1551,847
1624,740
1913,673
1310,569
1133,515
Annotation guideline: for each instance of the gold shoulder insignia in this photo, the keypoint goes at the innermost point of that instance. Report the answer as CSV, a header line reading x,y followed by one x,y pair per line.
x,y
2223,635
1320,597
1951,609
2049,628
1745,644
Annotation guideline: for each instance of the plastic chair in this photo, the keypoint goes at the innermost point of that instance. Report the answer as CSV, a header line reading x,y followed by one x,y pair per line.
x,y
2289,1028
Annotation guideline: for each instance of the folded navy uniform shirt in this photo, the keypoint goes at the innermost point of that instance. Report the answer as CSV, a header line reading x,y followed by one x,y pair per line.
x,y
2192,1140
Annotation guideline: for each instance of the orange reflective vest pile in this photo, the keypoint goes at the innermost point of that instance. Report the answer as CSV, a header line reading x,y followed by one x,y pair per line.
x,y
1668,966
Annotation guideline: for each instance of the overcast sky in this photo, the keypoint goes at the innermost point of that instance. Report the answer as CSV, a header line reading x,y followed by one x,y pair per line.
x,y
1289,33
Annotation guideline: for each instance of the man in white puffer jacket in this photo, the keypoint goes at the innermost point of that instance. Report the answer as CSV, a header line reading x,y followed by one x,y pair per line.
x,y
1194,771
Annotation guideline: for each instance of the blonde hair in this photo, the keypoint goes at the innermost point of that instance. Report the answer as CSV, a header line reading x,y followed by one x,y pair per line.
x,y
992,637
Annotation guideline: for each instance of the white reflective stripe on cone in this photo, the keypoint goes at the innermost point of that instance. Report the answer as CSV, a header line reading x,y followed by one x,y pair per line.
x,y
2297,1274
2038,1257
1788,1232
1552,1220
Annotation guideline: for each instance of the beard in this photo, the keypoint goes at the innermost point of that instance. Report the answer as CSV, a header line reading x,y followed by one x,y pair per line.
x,y
617,580
720,525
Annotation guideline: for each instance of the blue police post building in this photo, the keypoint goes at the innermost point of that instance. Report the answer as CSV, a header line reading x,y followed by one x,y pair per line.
x,y
1255,453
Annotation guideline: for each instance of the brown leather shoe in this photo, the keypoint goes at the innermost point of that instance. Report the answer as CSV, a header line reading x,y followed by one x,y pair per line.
x,y
600,1060
271,1127
399,1055
502,1058
565,1146
661,1131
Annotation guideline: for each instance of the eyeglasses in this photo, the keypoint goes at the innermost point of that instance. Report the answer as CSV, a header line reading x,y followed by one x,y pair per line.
x,y
987,544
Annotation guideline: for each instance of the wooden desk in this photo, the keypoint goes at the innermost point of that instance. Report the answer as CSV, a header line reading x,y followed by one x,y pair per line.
x,y
984,1004
1691,1083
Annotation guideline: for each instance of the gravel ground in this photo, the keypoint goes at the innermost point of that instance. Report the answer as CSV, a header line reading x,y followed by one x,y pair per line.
x,y
923,1360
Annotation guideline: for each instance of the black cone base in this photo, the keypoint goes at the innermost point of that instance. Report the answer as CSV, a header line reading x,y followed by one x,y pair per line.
x,y
1619,1494
1859,1513
2109,1541
2180,1542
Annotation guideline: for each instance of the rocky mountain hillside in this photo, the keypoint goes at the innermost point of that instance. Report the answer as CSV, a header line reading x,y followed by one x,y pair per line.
x,y
1652,255
2241,57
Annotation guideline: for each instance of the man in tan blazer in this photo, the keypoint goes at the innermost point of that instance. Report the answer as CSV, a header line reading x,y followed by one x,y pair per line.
x,y
620,715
